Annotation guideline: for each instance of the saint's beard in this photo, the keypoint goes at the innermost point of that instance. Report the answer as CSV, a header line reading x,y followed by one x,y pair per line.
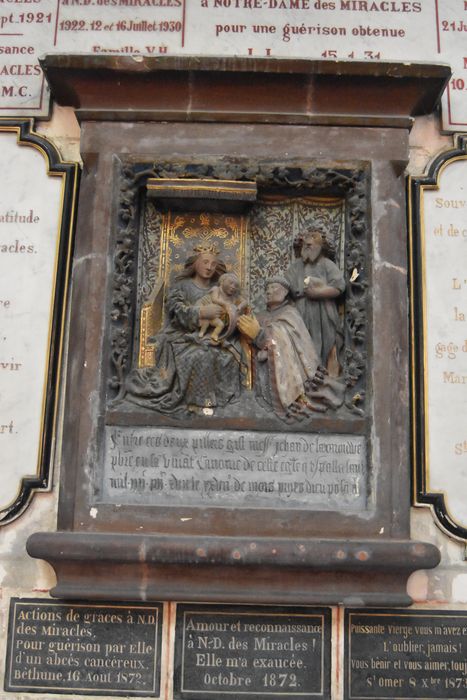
x,y
311,257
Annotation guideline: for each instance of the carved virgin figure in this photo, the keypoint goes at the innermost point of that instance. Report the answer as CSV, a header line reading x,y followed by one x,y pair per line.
x,y
190,371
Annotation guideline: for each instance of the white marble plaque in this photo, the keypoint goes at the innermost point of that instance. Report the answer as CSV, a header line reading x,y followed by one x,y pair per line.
x,y
27,30
30,217
168,467
367,30
444,231
452,49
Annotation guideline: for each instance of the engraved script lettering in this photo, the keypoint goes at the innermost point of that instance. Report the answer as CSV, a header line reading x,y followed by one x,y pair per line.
x,y
164,466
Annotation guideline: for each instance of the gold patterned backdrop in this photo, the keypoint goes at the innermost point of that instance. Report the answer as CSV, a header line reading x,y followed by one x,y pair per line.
x,y
255,247
179,234
275,222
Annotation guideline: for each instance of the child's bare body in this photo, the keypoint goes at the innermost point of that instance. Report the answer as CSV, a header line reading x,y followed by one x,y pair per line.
x,y
227,296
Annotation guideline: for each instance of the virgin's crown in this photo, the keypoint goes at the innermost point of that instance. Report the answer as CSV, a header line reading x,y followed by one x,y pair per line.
x,y
206,248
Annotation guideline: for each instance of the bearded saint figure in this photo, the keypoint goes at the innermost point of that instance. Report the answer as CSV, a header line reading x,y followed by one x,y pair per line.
x,y
316,282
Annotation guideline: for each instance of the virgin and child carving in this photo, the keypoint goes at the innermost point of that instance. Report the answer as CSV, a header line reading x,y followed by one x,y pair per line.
x,y
192,369
215,353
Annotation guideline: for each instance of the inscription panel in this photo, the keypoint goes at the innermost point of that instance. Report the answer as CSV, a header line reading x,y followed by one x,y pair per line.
x,y
228,468
229,652
405,654
90,649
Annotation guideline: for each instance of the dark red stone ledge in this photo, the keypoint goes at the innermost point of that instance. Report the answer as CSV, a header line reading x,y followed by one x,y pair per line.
x,y
261,90
107,566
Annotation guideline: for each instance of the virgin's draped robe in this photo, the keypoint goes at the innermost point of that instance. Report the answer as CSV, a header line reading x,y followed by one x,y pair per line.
x,y
189,371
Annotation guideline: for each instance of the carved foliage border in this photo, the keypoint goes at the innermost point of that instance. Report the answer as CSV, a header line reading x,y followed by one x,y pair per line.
x,y
350,183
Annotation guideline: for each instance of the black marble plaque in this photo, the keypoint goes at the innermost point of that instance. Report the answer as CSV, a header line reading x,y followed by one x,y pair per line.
x,y
100,649
405,654
240,652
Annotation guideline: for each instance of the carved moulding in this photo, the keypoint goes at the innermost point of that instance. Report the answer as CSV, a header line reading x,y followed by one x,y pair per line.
x,y
233,569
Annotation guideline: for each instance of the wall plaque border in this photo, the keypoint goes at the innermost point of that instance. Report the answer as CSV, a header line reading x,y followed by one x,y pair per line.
x,y
93,649
391,653
422,492
69,172
249,652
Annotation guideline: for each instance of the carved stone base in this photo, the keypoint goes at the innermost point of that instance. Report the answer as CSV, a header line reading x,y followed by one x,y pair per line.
x,y
114,566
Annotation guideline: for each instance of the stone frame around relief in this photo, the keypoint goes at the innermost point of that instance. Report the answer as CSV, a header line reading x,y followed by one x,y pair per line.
x,y
349,182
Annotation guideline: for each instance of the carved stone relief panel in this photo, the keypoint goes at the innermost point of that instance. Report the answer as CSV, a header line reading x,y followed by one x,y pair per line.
x,y
151,250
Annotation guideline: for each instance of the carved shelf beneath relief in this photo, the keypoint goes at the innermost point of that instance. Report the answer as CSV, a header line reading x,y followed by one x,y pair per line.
x,y
258,570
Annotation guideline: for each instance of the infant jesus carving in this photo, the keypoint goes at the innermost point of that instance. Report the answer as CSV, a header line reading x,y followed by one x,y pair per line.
x,y
228,297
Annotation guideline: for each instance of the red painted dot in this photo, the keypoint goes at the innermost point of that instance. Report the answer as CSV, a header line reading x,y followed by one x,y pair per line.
x,y
362,555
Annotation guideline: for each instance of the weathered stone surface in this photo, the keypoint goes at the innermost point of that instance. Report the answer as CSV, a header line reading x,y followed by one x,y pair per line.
x,y
226,469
